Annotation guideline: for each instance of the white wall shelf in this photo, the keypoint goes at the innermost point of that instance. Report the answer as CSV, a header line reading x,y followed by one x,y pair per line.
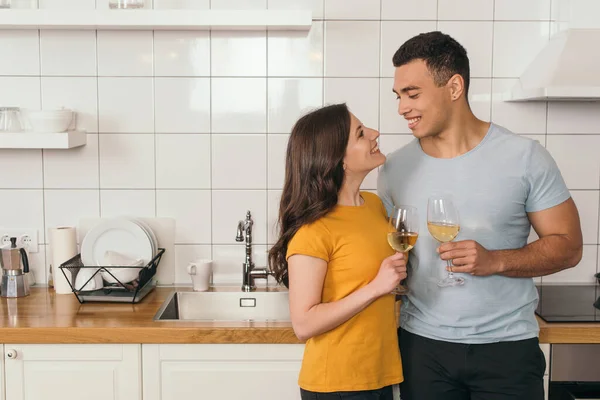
x,y
34,140
157,19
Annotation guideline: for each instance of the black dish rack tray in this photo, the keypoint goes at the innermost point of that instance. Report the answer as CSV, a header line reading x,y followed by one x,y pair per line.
x,y
131,292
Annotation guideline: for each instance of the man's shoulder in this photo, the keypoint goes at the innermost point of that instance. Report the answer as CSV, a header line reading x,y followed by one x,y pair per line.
x,y
500,133
505,145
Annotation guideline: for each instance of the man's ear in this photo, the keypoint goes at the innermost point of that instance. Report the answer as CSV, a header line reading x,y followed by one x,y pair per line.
x,y
456,84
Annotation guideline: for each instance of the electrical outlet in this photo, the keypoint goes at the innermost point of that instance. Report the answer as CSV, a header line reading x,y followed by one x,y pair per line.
x,y
27,238
26,241
5,240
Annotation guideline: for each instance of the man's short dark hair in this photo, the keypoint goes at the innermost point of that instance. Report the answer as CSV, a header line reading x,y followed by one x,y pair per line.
x,y
443,55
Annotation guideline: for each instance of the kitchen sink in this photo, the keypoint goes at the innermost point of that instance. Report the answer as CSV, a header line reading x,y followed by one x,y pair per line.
x,y
225,306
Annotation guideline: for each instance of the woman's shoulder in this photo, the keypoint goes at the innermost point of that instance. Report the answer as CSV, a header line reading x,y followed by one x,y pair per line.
x,y
311,239
317,227
371,198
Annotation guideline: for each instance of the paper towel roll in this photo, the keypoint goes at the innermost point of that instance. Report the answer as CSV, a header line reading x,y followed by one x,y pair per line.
x,y
63,245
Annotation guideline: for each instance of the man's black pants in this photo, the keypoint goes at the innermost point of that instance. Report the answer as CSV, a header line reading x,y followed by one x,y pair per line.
x,y
437,370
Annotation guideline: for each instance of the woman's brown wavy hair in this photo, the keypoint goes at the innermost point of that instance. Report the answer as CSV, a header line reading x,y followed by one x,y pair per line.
x,y
314,174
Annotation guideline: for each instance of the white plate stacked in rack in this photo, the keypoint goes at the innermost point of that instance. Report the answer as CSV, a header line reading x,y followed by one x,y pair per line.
x,y
129,237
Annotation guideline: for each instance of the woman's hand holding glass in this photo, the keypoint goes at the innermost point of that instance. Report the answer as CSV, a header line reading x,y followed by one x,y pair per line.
x,y
391,272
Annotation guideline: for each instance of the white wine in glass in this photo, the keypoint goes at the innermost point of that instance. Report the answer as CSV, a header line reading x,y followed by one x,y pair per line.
x,y
402,234
402,241
443,232
443,224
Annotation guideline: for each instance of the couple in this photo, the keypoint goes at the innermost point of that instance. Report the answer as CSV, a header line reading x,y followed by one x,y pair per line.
x,y
477,341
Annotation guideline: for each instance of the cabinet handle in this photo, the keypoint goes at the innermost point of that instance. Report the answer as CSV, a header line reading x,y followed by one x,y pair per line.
x,y
12,354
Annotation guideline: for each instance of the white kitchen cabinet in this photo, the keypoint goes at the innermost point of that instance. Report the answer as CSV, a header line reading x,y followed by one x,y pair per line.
x,y
2,372
546,349
221,371
72,371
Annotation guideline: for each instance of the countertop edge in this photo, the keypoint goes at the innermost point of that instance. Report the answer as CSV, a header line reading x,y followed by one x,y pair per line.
x,y
571,334
148,335
549,334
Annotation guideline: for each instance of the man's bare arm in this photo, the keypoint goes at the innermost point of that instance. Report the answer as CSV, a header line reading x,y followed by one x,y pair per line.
x,y
559,246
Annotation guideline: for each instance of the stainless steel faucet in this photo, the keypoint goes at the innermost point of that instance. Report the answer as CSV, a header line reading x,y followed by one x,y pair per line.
x,y
249,271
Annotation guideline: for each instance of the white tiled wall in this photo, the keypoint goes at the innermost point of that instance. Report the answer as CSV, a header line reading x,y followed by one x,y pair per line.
x,y
194,125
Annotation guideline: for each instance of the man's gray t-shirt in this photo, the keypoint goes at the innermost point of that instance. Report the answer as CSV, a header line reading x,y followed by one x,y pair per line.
x,y
493,186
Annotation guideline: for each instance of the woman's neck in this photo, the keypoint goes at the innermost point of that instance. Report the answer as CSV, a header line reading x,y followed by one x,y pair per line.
x,y
349,194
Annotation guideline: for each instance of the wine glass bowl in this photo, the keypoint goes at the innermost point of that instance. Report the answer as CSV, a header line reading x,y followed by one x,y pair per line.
x,y
444,225
403,232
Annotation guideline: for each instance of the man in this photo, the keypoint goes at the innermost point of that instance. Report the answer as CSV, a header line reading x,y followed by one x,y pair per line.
x,y
478,340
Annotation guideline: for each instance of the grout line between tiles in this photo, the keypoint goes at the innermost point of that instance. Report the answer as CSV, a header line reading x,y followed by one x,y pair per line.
x,y
547,103
98,124
433,20
154,123
546,133
199,244
491,87
266,205
551,20
493,37
232,77
597,238
256,189
287,133
380,69
43,233
210,140
324,52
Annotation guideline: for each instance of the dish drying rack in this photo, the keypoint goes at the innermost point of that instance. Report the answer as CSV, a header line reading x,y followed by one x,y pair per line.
x,y
119,292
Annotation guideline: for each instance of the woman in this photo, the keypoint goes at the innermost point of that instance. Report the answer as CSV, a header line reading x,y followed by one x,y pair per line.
x,y
333,255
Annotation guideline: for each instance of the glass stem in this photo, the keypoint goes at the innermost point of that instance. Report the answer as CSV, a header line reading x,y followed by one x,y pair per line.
x,y
450,273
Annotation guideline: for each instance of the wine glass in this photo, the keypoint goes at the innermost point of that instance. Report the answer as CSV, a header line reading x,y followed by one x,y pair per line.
x,y
402,234
443,224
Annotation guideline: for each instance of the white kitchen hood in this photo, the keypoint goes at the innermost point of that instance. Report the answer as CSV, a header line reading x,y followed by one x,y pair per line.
x,y
567,69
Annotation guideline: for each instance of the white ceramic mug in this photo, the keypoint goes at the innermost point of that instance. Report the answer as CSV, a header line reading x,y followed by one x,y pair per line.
x,y
200,271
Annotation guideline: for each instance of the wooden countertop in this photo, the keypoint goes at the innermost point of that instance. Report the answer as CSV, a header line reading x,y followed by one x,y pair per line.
x,y
569,332
45,317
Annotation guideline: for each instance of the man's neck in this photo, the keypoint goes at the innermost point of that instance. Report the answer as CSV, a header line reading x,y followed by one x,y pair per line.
x,y
463,134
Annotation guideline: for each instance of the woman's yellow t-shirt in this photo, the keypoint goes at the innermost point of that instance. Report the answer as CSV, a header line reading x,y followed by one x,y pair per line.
x,y
362,353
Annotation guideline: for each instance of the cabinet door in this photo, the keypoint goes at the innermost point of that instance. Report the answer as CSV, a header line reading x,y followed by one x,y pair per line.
x,y
222,371
2,372
73,372
546,349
